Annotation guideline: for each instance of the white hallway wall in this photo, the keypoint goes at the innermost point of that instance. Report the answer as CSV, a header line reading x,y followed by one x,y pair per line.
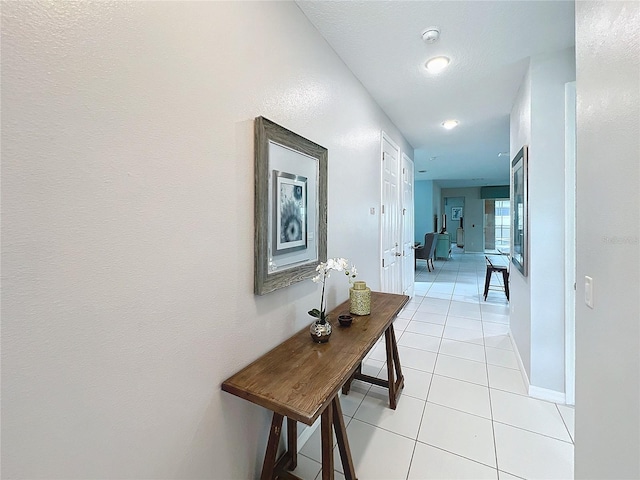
x,y
608,240
549,74
537,303
520,301
127,226
423,209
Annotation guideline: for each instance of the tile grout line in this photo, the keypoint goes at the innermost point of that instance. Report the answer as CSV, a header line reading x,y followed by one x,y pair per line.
x,y
457,455
493,428
573,441
415,443
535,433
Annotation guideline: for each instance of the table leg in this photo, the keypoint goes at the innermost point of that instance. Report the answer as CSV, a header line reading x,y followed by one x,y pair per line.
x,y
347,385
487,281
396,359
292,442
268,467
326,431
505,279
390,370
395,379
393,366
343,442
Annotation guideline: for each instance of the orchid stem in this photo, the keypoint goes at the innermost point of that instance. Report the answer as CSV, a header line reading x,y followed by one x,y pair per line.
x,y
324,282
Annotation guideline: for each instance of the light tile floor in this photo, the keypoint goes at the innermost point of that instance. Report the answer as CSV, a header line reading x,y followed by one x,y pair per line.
x,y
464,411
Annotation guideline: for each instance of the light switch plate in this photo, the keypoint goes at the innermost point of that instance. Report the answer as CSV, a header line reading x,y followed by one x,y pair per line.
x,y
588,291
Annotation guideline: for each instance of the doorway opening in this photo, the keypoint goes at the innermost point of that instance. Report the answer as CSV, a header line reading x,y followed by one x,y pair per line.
x,y
497,226
454,220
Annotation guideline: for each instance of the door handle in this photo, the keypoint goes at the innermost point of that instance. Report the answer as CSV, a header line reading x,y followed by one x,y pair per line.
x,y
398,254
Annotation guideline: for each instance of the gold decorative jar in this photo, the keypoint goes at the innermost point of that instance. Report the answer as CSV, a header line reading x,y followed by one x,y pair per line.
x,y
360,296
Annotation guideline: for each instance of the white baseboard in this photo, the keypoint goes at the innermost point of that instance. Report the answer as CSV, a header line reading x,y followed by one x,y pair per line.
x,y
546,394
523,371
536,392
306,434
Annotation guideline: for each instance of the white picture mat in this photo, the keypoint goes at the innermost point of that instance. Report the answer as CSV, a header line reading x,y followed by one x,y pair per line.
x,y
287,160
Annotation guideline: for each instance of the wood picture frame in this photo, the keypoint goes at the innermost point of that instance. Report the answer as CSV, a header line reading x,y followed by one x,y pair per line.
x,y
290,207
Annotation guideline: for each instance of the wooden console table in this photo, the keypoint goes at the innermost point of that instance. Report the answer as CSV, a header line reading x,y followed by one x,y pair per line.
x,y
300,380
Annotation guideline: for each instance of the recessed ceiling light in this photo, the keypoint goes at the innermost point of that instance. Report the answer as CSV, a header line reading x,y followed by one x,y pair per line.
x,y
449,124
437,64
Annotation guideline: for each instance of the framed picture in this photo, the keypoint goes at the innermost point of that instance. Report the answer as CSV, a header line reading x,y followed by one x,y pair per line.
x,y
519,211
456,213
290,207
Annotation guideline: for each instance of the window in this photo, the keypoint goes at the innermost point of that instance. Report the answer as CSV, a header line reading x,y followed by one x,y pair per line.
x,y
497,225
502,224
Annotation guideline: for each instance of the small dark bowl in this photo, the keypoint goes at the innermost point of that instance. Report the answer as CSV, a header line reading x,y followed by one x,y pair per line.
x,y
345,320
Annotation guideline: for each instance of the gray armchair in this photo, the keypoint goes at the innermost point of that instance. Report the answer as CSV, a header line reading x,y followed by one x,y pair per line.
x,y
427,251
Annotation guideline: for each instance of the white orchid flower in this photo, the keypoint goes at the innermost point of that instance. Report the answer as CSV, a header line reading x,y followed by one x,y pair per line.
x,y
341,264
324,269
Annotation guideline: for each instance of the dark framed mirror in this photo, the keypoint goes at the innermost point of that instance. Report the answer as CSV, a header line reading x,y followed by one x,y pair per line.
x,y
519,211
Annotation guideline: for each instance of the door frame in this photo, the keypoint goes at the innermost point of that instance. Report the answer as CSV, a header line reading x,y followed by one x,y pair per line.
x,y
447,212
570,241
407,227
398,273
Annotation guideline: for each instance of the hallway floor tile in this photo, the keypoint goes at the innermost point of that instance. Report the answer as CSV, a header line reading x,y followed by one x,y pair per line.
x,y
464,411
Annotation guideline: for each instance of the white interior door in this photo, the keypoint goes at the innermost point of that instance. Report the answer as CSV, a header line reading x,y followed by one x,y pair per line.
x,y
390,234
407,218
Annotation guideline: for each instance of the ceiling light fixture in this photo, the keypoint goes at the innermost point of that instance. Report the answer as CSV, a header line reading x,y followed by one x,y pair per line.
x,y
449,124
437,64
431,35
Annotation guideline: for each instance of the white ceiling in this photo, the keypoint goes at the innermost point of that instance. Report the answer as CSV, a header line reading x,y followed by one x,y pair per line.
x,y
489,43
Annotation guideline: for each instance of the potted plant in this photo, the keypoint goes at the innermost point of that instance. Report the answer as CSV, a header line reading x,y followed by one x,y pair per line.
x,y
321,328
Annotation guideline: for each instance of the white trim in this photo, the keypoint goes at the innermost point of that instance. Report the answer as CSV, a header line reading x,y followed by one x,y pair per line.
x,y
546,394
533,391
570,242
523,371
405,160
383,136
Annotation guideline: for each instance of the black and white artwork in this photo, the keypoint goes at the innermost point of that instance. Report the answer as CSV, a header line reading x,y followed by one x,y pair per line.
x,y
290,212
